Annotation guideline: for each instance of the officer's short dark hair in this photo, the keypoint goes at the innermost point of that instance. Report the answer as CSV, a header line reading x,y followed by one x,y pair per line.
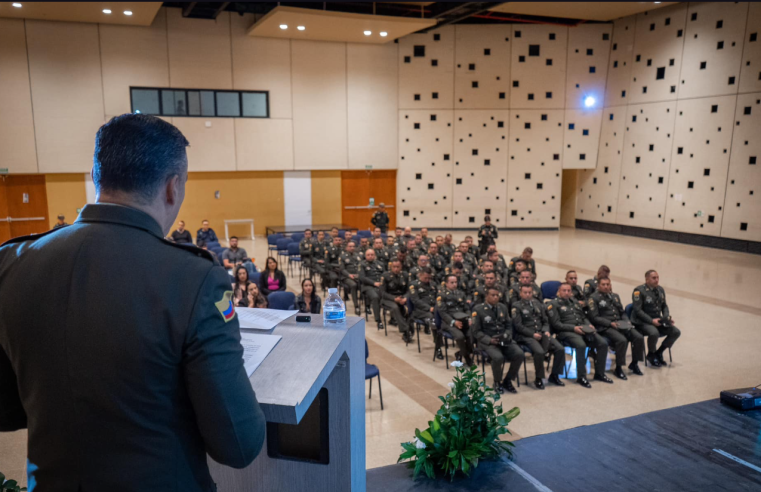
x,y
527,287
487,219
485,262
528,249
521,261
489,289
402,249
569,271
599,280
458,265
647,273
395,260
136,154
307,230
446,280
233,237
490,273
351,242
426,270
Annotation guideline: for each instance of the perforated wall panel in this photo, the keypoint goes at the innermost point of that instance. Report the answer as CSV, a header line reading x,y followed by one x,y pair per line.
x,y
426,65
699,161
588,53
620,62
598,188
482,67
742,206
534,169
480,168
538,66
645,164
424,178
581,138
750,72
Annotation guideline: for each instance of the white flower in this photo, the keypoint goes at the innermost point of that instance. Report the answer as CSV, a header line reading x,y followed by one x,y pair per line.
x,y
456,363
419,444
451,385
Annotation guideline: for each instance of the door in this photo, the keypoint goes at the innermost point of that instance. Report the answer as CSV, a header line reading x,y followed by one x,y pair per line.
x,y
23,206
358,187
297,194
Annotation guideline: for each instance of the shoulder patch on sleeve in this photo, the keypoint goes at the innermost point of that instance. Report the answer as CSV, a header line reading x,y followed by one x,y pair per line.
x,y
514,310
475,314
225,306
438,299
636,295
591,303
549,306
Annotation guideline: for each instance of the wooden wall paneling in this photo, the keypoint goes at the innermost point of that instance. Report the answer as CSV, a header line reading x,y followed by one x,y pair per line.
x,y
33,186
5,227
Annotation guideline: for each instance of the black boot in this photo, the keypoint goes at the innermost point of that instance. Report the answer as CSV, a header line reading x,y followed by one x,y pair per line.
x,y
555,379
539,384
508,385
654,360
620,373
634,367
583,382
439,355
603,378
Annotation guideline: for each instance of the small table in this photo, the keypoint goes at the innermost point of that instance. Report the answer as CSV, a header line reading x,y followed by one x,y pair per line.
x,y
238,221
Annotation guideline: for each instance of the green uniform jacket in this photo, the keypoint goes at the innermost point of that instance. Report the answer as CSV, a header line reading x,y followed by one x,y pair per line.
x,y
382,255
306,246
479,294
394,285
447,250
450,302
578,294
350,263
423,295
590,286
648,304
370,272
491,321
531,265
605,309
515,292
565,315
529,317
487,233
380,219
131,371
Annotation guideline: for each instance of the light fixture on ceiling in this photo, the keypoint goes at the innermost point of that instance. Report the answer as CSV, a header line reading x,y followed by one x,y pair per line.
x,y
283,26
106,11
300,28
589,101
17,5
127,12
367,33
656,2
383,34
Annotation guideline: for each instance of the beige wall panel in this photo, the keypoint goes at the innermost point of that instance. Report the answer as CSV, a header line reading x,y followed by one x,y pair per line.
x,y
132,56
326,197
581,138
658,43
64,64
620,63
212,148
750,72
426,80
16,122
598,188
742,207
424,179
263,144
65,194
588,53
262,64
538,74
713,49
534,179
699,162
645,165
480,167
482,67
319,105
372,86
199,51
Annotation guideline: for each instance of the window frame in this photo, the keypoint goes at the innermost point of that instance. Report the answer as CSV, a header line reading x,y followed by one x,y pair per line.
x,y
187,108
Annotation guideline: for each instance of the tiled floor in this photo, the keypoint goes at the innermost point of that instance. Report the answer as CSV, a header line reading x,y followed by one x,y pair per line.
x,y
713,295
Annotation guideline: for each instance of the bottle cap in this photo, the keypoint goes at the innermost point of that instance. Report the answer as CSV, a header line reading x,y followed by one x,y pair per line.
x,y
332,291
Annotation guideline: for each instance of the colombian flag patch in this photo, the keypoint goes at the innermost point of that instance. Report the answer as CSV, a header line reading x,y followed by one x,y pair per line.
x,y
225,306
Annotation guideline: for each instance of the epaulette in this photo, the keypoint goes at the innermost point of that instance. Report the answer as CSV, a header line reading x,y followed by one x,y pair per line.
x,y
30,237
201,253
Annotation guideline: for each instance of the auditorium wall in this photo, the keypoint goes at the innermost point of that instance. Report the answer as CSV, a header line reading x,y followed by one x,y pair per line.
x,y
66,194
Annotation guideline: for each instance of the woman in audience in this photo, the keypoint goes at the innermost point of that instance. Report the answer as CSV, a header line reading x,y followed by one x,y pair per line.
x,y
255,299
240,287
308,301
272,278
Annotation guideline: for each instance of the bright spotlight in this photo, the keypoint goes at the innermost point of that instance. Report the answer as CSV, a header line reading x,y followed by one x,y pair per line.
x,y
301,28
383,34
17,5
106,11
589,101
283,26
367,33
127,12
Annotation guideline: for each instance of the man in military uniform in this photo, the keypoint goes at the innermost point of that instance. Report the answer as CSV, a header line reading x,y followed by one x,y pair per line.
x,y
468,259
493,332
413,251
381,253
407,236
472,248
489,249
422,262
486,235
306,246
390,243
405,258
349,264
518,267
487,267
113,379
423,295
377,234
347,237
457,257
652,319
591,285
446,249
332,266
607,314
435,261
525,279
370,273
464,281
572,327
488,281
333,234
572,279
380,218
499,265
424,236
394,286
532,328
526,256
318,256
364,244
398,238
453,311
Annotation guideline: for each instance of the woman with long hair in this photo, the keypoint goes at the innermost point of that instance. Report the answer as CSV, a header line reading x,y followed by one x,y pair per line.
x,y
240,287
255,299
308,301
272,278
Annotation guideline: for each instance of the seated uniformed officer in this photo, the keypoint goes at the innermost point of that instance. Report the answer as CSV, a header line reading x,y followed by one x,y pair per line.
x,y
377,234
457,257
398,239
447,248
422,262
381,253
572,279
306,246
486,235
493,332
349,262
532,328
572,327
318,257
472,249
525,256
453,311
332,266
423,294
393,289
591,285
518,267
487,267
499,265
364,244
424,235
607,314
467,258
525,279
482,288
370,272
652,319
113,392
435,261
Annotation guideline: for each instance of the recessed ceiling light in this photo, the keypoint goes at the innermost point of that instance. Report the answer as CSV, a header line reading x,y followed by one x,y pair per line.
x,y
383,34
656,2
106,11
127,12
300,28
283,26
17,5
367,33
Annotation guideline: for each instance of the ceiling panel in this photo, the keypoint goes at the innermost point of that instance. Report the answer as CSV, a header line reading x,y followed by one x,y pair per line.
x,y
598,11
142,12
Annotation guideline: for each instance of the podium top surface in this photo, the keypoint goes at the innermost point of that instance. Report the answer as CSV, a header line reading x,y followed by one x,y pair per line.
x,y
289,378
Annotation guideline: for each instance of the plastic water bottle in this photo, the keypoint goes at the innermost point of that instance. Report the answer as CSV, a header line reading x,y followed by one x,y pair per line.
x,y
334,309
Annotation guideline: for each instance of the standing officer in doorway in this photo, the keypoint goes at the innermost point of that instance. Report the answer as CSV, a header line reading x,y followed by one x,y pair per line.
x,y
652,319
380,218
129,381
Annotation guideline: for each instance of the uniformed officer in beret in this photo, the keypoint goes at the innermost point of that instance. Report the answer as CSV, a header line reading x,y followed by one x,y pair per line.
x,y
380,218
609,317
370,272
131,371
486,235
493,332
570,324
652,319
453,310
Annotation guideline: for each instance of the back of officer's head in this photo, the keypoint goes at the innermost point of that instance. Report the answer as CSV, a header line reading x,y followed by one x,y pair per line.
x,y
135,155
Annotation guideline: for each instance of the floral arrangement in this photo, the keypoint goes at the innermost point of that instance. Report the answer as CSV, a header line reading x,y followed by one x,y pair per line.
x,y
466,429
9,485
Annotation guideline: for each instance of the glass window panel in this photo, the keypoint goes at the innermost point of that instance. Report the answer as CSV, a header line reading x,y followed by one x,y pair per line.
x,y
207,103
145,101
180,104
228,104
255,104
194,103
167,103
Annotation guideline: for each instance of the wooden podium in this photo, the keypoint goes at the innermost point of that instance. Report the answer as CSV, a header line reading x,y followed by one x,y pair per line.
x,y
312,390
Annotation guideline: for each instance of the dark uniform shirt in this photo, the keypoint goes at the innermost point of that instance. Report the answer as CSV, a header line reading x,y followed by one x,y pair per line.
x,y
350,263
479,294
565,315
370,272
530,265
491,322
487,234
648,304
605,309
306,246
332,255
578,294
205,237
529,317
515,292
394,285
437,263
451,306
380,219
382,255
423,296
114,374
447,250
590,286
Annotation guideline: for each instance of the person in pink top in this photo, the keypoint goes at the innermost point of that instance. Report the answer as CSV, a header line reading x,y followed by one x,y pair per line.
x,y
272,278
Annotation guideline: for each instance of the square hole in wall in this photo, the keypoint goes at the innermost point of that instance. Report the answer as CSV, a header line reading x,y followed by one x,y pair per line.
x,y
743,226
407,59
500,124
446,157
548,62
703,65
592,69
539,186
706,172
487,51
501,95
631,215
434,63
555,157
417,97
527,175
690,184
458,181
552,36
418,51
514,213
660,180
417,126
660,73
533,50
530,97
679,33
474,84
474,152
516,83
752,159
521,59
406,213
571,126
585,132
548,95
517,34
437,37
434,95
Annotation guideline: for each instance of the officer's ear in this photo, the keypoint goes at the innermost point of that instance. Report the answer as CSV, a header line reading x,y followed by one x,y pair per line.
x,y
174,189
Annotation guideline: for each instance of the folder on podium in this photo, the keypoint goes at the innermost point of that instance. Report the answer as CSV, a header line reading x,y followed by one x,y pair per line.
x,y
311,389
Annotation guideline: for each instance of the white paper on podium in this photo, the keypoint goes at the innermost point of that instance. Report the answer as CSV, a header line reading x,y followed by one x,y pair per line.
x,y
261,319
256,348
